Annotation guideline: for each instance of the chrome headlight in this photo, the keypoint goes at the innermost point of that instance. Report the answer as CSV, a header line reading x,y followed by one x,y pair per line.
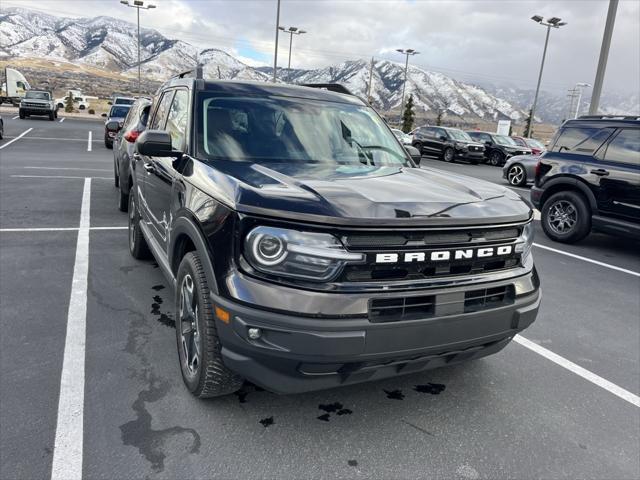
x,y
525,241
290,253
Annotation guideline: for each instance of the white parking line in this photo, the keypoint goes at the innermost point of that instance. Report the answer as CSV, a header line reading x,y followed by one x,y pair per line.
x,y
71,168
585,259
58,176
14,118
57,139
89,141
68,446
15,139
62,120
578,370
58,229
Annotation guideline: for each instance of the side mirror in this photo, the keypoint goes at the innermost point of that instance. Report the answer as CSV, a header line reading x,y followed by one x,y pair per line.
x,y
156,143
488,143
414,153
113,126
443,138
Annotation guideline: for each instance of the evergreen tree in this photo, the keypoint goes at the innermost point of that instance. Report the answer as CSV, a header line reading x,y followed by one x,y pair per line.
x,y
408,116
68,102
528,123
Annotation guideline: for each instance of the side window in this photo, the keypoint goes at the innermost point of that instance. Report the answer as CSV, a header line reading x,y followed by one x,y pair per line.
x,y
625,148
144,115
439,132
428,132
485,137
161,113
177,119
581,140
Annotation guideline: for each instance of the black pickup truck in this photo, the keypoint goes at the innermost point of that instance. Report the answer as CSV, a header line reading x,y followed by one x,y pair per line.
x,y
307,249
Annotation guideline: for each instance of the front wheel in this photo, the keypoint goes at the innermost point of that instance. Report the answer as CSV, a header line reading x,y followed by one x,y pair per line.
x,y
199,348
516,175
51,116
21,115
448,155
418,145
496,159
566,217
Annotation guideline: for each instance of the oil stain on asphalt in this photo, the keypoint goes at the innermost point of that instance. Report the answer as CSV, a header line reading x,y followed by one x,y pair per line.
x,y
158,287
394,394
329,408
267,422
432,388
165,319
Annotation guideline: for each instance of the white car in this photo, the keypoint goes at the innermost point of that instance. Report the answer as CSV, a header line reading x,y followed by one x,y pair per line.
x,y
79,101
403,137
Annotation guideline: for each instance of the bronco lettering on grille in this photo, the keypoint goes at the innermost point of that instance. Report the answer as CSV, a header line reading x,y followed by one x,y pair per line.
x,y
444,255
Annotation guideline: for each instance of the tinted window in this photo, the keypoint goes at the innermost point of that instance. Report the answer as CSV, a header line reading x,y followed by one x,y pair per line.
x,y
581,140
38,95
124,101
439,132
161,112
177,119
625,148
520,141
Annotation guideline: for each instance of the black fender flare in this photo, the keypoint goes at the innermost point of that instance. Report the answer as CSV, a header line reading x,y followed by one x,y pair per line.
x,y
186,226
578,185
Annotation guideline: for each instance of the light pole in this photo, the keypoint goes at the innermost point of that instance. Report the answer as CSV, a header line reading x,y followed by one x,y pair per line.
x,y
138,4
578,89
553,22
291,31
604,56
275,53
408,52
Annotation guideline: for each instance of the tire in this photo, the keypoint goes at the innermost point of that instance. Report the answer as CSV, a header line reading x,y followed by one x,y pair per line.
x,y
448,155
123,200
116,176
496,159
61,105
473,162
21,115
575,225
137,244
1,131
55,114
418,145
199,348
81,107
517,175
108,143
52,116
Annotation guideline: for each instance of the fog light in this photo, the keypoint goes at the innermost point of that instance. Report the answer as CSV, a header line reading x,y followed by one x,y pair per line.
x,y
255,333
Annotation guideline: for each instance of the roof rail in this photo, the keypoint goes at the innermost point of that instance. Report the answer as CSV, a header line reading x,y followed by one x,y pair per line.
x,y
332,87
611,117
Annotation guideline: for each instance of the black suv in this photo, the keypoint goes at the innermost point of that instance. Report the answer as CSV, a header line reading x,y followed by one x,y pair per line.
x,y
498,148
450,144
307,250
590,178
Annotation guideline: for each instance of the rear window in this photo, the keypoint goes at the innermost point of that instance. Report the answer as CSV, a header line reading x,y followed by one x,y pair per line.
x,y
581,140
119,111
124,101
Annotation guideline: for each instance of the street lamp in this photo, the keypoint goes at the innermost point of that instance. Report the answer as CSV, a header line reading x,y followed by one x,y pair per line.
x,y
291,31
408,52
578,88
553,22
138,4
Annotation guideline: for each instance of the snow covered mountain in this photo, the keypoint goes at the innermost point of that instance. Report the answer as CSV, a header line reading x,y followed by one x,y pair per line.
x,y
111,44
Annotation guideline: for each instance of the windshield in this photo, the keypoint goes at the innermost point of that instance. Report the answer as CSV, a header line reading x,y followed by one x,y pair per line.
x,y
534,143
293,130
38,95
504,140
119,111
459,135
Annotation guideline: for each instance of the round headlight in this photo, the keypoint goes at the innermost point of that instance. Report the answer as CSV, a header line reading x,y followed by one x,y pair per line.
x,y
269,250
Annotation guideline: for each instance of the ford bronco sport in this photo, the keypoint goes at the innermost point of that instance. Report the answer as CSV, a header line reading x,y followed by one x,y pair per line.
x,y
307,250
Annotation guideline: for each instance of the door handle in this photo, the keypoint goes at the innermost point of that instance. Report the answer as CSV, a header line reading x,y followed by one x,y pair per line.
x,y
601,172
148,167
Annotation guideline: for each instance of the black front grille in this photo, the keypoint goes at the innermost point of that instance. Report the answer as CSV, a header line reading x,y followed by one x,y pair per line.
x,y
403,308
401,243
487,298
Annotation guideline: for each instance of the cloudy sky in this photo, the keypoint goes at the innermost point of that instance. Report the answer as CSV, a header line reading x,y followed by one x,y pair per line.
x,y
478,40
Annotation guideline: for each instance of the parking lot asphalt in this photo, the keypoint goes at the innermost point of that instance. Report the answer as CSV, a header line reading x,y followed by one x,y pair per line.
x,y
516,414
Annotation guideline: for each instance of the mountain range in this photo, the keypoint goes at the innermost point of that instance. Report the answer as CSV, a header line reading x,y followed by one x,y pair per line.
x,y
111,44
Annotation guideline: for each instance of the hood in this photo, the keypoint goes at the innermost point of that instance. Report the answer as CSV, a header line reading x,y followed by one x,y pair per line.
x,y
358,195
37,100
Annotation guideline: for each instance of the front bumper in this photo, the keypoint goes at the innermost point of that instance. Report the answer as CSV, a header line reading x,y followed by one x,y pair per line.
x,y
469,155
35,111
297,353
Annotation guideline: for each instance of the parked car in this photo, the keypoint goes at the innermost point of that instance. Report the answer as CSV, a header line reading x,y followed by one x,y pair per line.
x,y
80,101
114,123
520,170
498,148
37,102
449,144
536,146
135,123
404,138
306,250
590,179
